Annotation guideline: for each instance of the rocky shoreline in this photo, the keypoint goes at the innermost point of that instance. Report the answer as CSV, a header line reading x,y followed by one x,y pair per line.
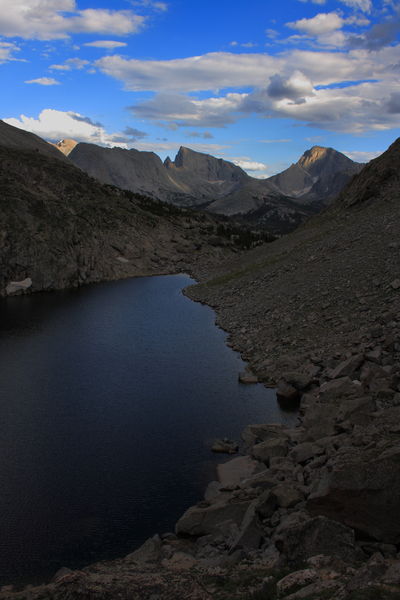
x,y
311,512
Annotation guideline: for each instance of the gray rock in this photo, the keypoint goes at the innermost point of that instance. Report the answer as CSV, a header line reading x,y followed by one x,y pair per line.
x,y
266,450
253,434
286,495
250,534
348,368
364,494
317,536
305,451
232,472
203,520
149,552
286,392
248,378
225,446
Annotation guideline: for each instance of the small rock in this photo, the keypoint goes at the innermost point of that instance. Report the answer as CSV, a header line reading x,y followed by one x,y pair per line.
x,y
225,446
296,580
395,284
248,378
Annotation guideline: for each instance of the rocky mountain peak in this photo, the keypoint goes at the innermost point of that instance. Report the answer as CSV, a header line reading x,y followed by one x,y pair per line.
x,y
314,154
319,160
206,166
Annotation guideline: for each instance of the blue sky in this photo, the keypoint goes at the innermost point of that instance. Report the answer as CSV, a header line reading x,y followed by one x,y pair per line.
x,y
255,82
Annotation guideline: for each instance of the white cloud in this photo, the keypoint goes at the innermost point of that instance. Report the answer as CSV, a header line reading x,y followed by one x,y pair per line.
x,y
361,155
216,70
158,6
364,5
183,111
108,44
7,50
318,25
249,165
55,125
71,63
57,19
44,81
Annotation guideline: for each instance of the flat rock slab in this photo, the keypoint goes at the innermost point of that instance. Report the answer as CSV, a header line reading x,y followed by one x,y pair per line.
x,y
231,473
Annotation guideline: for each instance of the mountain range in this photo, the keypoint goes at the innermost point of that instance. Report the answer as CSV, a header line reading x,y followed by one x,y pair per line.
x,y
198,180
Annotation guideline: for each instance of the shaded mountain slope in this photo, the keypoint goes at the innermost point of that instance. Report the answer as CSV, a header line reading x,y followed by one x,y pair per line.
x,y
13,137
327,283
61,228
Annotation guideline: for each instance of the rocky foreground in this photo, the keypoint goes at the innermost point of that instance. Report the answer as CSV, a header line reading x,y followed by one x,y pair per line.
x,y
311,512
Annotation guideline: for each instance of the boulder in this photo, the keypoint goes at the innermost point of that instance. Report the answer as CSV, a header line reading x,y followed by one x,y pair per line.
x,y
286,495
149,552
317,536
14,287
339,388
247,377
266,450
286,392
347,368
253,434
202,520
363,493
250,534
303,452
234,471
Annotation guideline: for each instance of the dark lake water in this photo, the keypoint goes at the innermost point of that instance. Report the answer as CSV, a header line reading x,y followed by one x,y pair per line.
x,y
109,399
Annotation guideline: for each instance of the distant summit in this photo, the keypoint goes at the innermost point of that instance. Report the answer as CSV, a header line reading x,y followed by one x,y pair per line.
x,y
318,176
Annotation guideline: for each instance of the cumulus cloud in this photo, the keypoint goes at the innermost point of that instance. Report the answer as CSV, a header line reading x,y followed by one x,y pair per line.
x,y
44,81
363,5
247,164
7,50
347,91
318,25
70,64
393,103
57,19
216,70
107,44
296,87
378,36
183,111
54,125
